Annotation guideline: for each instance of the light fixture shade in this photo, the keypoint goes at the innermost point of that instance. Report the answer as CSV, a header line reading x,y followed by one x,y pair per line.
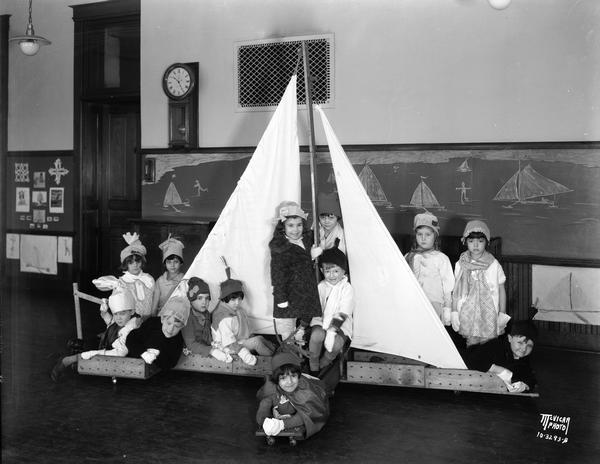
x,y
499,4
30,43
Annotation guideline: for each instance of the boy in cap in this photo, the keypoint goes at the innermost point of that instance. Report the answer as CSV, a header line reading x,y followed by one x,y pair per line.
x,y
158,340
231,329
197,332
172,258
507,357
118,315
290,399
330,215
333,329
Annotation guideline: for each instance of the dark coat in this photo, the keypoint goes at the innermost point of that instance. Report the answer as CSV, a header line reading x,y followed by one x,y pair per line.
x,y
293,278
150,335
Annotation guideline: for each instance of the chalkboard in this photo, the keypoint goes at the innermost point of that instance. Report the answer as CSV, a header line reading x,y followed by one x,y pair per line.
x,y
40,191
541,202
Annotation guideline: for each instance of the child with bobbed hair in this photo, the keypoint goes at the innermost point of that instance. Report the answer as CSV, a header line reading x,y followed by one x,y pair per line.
x,y
479,297
431,267
231,329
333,330
507,357
158,340
172,258
296,299
197,333
291,400
330,217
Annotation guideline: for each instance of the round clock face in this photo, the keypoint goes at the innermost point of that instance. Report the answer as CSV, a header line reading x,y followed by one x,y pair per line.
x,y
178,81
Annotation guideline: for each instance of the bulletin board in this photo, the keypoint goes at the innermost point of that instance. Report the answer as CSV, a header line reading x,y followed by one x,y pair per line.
x,y
40,191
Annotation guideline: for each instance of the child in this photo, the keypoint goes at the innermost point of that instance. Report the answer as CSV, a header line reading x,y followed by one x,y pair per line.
x,y
507,357
119,323
330,216
158,340
141,284
292,273
479,297
197,332
289,399
334,329
431,267
172,254
230,327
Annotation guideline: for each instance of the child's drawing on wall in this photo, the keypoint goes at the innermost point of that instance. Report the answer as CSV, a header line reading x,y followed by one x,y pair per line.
x,y
172,198
463,193
198,188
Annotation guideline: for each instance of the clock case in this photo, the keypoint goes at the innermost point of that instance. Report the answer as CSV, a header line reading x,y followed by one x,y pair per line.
x,y
183,112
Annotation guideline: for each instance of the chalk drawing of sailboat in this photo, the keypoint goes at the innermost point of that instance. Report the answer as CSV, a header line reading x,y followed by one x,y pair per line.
x,y
424,198
373,187
567,302
464,167
527,186
172,198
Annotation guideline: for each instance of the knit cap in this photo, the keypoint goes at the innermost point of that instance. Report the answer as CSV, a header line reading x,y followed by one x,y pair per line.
x,y
334,256
134,246
177,307
121,300
476,226
329,203
196,286
427,219
286,209
171,246
281,359
230,285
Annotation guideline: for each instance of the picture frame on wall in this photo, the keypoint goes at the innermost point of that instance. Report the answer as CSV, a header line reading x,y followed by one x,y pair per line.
x,y
22,200
57,200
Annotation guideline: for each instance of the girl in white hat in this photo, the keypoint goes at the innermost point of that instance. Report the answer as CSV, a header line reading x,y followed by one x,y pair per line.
x,y
431,267
172,258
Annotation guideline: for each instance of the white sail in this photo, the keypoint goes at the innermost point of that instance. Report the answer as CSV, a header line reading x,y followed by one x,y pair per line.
x,y
392,315
245,226
373,187
423,197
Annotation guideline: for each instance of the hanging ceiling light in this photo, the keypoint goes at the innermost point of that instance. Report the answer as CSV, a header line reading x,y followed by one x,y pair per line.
x,y
30,43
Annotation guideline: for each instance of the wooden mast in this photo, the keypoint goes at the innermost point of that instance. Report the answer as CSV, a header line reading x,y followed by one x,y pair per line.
x,y
311,140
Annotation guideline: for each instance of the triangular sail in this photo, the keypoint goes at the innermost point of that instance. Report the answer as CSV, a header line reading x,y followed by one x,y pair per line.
x,y
423,196
464,167
533,185
373,187
244,228
392,314
509,190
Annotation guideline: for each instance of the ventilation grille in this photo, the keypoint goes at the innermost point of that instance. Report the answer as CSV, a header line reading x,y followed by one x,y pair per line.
x,y
264,70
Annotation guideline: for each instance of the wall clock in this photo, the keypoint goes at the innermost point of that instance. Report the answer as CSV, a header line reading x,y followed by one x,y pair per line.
x,y
180,84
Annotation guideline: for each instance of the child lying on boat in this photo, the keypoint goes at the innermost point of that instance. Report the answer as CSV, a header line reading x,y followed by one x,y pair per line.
x,y
118,315
290,400
158,340
231,329
507,357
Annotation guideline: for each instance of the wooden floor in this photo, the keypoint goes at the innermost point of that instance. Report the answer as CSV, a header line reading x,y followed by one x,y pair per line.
x,y
183,417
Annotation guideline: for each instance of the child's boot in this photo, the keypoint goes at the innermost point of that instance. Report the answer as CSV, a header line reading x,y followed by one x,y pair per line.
x,y
247,357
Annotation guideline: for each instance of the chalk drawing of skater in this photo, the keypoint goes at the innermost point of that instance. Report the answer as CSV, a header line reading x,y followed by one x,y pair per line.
x,y
199,189
463,193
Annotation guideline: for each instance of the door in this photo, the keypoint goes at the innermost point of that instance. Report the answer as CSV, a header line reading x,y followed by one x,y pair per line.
x,y
110,184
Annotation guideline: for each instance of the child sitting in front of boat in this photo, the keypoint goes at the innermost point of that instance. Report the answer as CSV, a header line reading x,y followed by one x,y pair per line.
x,y
296,299
330,216
334,329
479,297
291,400
172,258
431,267
197,333
118,314
231,329
507,357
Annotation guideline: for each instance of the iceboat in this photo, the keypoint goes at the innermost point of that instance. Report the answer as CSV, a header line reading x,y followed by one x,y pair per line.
x,y
398,338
